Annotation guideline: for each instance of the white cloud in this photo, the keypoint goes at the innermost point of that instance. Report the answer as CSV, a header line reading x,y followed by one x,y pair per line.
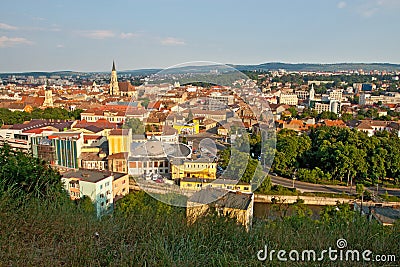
x,y
371,7
342,4
60,46
8,27
172,41
368,12
97,34
39,19
128,35
388,3
13,41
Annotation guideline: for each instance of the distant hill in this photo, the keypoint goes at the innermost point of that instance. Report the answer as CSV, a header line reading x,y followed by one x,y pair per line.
x,y
260,67
320,67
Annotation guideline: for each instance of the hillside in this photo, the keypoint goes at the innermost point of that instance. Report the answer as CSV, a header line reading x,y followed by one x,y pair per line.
x,y
260,67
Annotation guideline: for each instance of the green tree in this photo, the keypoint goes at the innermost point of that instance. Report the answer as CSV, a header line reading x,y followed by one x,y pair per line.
x,y
27,175
135,124
293,111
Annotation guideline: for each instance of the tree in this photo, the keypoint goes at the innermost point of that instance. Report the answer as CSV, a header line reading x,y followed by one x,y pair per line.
x,y
144,102
135,124
328,115
347,117
360,189
26,175
293,111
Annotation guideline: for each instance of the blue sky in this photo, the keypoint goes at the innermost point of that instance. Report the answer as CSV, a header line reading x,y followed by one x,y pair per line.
x,y
49,35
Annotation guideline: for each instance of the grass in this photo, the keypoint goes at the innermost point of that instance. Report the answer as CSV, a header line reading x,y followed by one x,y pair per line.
x,y
390,198
284,191
59,233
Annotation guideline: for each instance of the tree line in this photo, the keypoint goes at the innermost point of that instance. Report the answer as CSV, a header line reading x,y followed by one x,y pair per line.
x,y
13,117
337,154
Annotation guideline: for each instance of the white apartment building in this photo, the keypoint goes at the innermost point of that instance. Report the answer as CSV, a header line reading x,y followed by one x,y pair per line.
x,y
289,99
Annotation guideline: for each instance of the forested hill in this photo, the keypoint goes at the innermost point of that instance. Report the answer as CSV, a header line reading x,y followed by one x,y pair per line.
x,y
320,67
270,66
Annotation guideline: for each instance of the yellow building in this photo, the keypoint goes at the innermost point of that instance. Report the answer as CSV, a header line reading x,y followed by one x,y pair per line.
x,y
198,184
203,168
119,140
120,185
188,128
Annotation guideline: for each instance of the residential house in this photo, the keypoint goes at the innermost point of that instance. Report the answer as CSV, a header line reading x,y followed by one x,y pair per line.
x,y
204,168
153,157
119,140
118,162
120,185
97,185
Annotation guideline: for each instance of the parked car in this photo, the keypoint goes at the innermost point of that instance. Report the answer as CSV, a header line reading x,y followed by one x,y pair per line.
x,y
160,180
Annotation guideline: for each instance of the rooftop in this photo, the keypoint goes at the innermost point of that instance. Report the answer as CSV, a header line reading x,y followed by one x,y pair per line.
x,y
222,198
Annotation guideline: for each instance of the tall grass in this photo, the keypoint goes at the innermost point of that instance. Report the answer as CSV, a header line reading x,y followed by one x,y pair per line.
x,y
57,232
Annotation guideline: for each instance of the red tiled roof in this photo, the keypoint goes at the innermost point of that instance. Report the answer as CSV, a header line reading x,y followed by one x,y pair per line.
x,y
332,123
126,86
91,137
119,132
122,155
35,131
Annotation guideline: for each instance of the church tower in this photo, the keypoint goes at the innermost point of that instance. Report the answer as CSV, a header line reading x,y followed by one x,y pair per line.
x,y
114,89
311,95
48,96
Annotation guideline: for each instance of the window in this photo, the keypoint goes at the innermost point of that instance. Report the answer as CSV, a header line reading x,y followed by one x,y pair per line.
x,y
101,186
229,187
124,181
102,204
101,195
108,184
246,188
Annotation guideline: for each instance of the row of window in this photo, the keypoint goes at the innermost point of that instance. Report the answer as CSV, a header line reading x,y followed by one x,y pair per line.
x,y
202,166
150,164
108,193
106,184
219,186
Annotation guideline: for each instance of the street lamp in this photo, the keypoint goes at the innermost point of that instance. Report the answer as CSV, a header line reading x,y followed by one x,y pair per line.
x,y
294,176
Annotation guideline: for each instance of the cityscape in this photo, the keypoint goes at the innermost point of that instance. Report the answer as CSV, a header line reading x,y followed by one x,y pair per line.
x,y
110,162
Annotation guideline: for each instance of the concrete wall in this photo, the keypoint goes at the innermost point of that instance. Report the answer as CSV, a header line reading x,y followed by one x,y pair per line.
x,y
307,199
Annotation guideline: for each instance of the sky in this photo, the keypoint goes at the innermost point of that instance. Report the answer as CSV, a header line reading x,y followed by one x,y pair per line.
x,y
87,35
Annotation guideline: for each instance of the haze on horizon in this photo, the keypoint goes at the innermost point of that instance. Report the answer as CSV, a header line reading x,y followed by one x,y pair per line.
x,y
86,36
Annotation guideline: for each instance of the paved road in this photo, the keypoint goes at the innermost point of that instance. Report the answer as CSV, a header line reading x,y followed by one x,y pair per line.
x,y
309,187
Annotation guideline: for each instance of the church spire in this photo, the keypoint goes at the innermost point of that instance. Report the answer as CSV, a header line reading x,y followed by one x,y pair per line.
x,y
114,88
